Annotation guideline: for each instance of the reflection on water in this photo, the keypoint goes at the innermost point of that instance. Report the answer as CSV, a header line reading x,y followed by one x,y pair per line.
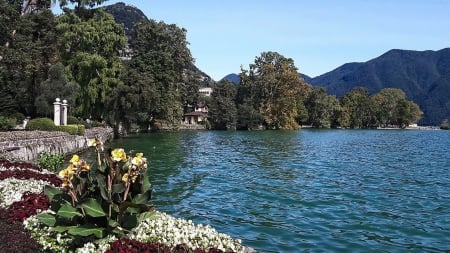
x,y
307,190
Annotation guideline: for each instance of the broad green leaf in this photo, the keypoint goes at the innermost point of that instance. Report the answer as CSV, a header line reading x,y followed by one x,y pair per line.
x,y
146,185
47,219
87,230
118,188
93,208
61,229
104,193
129,221
102,168
112,223
147,216
51,192
68,211
142,198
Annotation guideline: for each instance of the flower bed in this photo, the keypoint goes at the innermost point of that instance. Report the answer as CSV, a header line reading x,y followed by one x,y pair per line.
x,y
22,201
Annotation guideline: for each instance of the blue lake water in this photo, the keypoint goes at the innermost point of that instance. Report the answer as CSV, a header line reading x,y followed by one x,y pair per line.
x,y
307,190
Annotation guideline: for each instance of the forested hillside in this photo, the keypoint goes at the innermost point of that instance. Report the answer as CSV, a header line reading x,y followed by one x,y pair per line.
x,y
422,75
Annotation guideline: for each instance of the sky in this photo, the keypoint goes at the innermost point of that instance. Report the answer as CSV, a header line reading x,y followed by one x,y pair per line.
x,y
319,35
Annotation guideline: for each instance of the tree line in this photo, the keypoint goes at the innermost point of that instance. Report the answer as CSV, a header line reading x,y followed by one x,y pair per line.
x,y
76,56
272,95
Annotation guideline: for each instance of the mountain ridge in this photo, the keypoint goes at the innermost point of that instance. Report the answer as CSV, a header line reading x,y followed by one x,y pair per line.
x,y
423,75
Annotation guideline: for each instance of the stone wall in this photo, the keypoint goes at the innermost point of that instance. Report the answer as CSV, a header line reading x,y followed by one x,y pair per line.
x,y
26,145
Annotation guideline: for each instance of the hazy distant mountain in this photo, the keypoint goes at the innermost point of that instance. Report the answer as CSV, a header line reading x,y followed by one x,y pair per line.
x,y
423,75
234,78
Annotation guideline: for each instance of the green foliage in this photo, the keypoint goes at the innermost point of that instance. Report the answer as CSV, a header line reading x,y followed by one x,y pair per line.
x,y
223,111
7,123
322,108
445,125
43,124
49,161
31,49
72,129
19,117
72,120
56,86
93,62
108,198
274,89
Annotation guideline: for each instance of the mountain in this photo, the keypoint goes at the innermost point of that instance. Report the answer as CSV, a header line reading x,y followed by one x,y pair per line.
x,y
423,75
128,16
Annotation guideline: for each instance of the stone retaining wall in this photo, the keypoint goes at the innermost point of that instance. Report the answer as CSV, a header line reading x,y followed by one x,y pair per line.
x,y
26,145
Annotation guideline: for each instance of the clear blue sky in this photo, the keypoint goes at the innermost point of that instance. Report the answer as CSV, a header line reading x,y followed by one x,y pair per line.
x,y
319,35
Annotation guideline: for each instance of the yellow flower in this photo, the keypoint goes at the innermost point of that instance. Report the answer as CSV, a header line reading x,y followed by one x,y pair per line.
x,y
126,177
66,176
139,155
74,160
92,143
84,166
137,161
118,155
98,144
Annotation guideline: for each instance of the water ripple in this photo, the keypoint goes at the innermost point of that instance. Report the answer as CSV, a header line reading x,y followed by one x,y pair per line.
x,y
308,190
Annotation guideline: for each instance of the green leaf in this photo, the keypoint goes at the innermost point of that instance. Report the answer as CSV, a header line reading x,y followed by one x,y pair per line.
x,y
87,230
68,211
129,221
118,188
142,198
93,208
112,223
61,229
51,192
104,193
47,219
146,185
147,216
102,168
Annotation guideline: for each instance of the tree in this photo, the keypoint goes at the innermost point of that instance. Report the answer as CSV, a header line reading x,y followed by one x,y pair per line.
x,y
90,48
223,111
56,86
358,106
322,108
273,87
30,48
161,55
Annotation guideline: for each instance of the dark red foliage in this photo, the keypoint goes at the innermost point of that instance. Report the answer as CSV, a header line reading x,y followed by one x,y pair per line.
x,y
14,238
133,246
28,171
22,165
28,206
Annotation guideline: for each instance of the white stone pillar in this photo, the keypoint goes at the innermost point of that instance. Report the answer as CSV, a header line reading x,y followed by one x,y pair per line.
x,y
64,112
57,112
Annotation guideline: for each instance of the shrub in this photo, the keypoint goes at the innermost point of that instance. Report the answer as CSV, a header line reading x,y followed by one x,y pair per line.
x,y
72,129
7,123
43,124
19,117
72,120
49,161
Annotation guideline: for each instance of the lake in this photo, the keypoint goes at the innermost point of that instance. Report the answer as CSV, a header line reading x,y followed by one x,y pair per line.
x,y
309,190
